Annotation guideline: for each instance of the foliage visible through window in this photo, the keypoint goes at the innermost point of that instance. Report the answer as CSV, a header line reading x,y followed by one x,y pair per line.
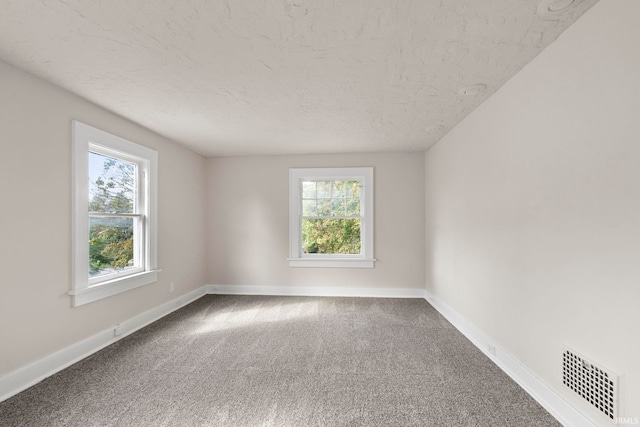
x,y
112,192
331,217
114,240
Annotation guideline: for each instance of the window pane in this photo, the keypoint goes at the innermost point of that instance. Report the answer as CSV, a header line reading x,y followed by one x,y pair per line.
x,y
324,189
338,189
324,207
338,207
353,189
111,245
308,190
331,236
353,207
112,184
309,208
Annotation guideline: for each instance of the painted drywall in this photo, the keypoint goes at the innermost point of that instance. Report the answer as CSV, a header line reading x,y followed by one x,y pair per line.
x,y
248,222
533,206
36,318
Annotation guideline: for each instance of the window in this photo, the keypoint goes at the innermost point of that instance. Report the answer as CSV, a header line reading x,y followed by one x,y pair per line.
x,y
114,222
331,217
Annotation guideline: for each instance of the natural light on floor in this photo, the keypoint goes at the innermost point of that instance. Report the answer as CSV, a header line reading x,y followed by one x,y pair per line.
x,y
238,318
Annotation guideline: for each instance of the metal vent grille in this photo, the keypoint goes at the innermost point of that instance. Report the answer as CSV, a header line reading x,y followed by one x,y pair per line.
x,y
594,383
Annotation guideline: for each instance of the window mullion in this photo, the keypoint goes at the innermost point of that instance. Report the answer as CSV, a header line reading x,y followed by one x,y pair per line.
x,y
117,215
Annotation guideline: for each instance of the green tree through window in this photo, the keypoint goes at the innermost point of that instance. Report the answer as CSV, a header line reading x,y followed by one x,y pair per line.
x,y
331,217
111,239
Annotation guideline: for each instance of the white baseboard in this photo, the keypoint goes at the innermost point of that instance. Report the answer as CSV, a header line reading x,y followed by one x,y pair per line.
x,y
316,291
555,404
23,378
16,381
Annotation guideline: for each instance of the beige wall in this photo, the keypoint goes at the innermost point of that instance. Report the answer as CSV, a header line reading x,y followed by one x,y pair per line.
x,y
533,205
532,212
36,317
248,222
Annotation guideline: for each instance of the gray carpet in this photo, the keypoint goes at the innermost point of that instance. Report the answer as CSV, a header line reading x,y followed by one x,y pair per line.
x,y
284,361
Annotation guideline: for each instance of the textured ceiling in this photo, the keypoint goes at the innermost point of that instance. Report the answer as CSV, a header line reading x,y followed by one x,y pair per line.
x,y
234,77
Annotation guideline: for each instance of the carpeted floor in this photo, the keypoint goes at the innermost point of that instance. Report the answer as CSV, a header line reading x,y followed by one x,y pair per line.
x,y
284,361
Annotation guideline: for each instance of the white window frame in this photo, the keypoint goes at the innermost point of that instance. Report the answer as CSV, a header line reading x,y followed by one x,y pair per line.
x,y
89,139
297,257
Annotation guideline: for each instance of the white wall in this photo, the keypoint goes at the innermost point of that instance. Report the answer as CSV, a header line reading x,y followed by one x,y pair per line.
x,y
533,205
248,222
36,317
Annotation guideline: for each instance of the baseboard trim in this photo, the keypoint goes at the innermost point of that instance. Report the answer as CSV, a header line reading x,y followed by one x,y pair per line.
x,y
315,291
16,381
22,378
555,404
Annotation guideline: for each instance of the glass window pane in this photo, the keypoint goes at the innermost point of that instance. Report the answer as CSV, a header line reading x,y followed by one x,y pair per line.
x,y
353,189
338,207
338,189
353,207
324,189
111,245
309,208
331,236
112,184
324,207
308,190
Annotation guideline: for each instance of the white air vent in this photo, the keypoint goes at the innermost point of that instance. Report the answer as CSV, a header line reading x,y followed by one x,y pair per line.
x,y
597,385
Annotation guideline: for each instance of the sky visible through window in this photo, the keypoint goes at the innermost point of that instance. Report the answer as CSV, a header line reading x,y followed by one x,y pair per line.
x,y
96,167
111,238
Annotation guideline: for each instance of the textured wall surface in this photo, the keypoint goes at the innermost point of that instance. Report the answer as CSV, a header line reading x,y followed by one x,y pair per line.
x,y
533,205
283,77
248,222
36,318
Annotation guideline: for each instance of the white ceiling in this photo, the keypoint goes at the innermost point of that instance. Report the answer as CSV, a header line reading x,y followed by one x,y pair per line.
x,y
232,77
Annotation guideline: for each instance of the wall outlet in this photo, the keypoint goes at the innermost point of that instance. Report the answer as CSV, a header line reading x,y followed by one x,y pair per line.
x,y
172,287
118,330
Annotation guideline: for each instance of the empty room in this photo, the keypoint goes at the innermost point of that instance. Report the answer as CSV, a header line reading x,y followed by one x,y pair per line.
x,y
320,213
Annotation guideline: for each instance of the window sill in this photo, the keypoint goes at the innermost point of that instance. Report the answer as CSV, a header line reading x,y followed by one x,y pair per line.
x,y
112,287
332,263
